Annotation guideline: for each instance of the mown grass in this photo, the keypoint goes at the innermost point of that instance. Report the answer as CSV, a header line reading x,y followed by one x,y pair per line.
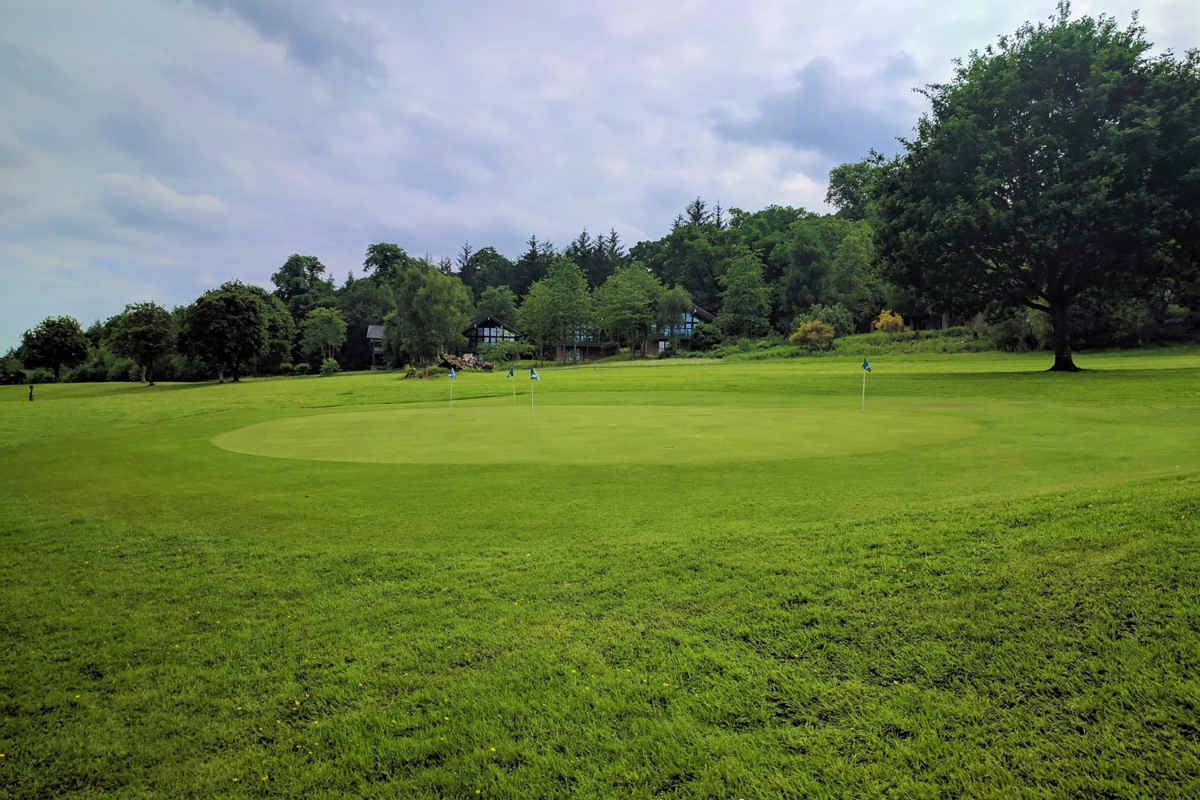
x,y
1010,614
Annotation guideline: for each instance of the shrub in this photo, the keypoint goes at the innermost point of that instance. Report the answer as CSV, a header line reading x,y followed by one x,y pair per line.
x,y
813,335
330,367
42,375
507,351
610,348
286,368
301,368
889,322
705,336
745,345
836,316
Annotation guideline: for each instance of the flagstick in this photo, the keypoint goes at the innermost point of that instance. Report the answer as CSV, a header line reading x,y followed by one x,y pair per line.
x,y
514,383
864,399
451,397
531,402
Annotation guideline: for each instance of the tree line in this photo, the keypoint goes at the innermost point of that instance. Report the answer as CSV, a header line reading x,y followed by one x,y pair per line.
x,y
1054,185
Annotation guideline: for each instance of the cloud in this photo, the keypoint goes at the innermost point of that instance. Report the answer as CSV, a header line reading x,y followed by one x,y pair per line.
x,y
313,33
837,115
147,204
13,153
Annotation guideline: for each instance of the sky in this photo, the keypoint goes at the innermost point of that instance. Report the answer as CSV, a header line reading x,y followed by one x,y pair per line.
x,y
153,149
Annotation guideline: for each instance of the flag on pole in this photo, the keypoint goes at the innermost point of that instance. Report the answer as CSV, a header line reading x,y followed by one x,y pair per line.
x,y
510,373
866,365
533,376
452,375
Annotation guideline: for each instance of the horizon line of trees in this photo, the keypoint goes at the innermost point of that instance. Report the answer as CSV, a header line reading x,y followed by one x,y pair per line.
x,y
1054,185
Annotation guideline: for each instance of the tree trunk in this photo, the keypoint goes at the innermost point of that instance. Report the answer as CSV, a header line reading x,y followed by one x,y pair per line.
x,y
220,374
1062,338
148,375
57,367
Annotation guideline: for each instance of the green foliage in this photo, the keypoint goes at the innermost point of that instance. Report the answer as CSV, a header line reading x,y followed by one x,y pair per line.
x,y
745,304
532,266
610,348
324,333
705,336
813,335
301,369
387,262
329,367
226,328
835,316
852,187
500,302
486,268
626,306
557,305
673,307
301,286
432,309
55,343
598,257
143,333
507,351
1055,167
11,369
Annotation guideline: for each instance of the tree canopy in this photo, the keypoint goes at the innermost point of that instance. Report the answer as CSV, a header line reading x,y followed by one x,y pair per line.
x,y
557,306
324,331
144,333
499,302
626,305
55,343
1060,166
226,328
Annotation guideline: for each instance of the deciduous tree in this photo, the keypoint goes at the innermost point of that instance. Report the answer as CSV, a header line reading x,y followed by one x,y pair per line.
x,y
55,343
1062,164
143,333
324,332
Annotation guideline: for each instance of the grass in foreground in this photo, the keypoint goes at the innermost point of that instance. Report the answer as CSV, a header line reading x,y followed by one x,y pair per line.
x,y
1003,613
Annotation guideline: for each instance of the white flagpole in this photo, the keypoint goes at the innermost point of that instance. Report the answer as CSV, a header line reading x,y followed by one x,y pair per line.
x,y
451,397
864,398
531,402
513,378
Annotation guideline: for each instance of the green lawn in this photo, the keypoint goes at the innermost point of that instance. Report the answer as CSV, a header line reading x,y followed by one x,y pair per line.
x,y
687,579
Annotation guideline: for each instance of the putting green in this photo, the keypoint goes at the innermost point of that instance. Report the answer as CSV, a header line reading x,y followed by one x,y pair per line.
x,y
591,434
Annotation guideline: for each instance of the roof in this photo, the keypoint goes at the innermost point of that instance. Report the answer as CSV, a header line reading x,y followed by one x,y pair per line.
x,y
701,314
489,321
374,332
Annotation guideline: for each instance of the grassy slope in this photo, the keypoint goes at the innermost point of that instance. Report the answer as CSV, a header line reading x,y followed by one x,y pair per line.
x,y
1010,614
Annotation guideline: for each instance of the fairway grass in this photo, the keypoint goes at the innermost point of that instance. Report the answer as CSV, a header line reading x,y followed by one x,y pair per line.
x,y
684,580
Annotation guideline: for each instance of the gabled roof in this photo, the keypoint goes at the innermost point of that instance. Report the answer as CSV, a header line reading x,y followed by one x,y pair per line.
x,y
487,320
374,332
702,315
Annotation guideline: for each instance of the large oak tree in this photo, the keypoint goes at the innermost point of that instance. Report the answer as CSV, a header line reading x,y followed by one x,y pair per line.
x,y
1058,167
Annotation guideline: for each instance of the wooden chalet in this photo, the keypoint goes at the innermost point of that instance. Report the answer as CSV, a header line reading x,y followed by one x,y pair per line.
x,y
489,330
588,342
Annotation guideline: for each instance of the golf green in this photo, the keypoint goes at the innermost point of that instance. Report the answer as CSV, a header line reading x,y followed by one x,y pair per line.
x,y
591,434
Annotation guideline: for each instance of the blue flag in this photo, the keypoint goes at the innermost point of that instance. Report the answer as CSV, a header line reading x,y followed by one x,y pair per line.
x,y
533,375
452,375
510,373
866,366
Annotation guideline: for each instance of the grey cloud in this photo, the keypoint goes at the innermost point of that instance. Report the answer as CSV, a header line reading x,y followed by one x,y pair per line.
x,y
313,33
145,203
136,131
836,115
13,153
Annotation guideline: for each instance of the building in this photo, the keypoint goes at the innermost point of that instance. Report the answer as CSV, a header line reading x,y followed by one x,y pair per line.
x,y
375,337
588,343
488,330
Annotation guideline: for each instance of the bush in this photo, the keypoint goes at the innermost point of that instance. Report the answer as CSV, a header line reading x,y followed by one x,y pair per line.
x,y
745,345
300,369
507,351
705,336
889,322
836,316
286,368
42,375
813,335
610,348
330,367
